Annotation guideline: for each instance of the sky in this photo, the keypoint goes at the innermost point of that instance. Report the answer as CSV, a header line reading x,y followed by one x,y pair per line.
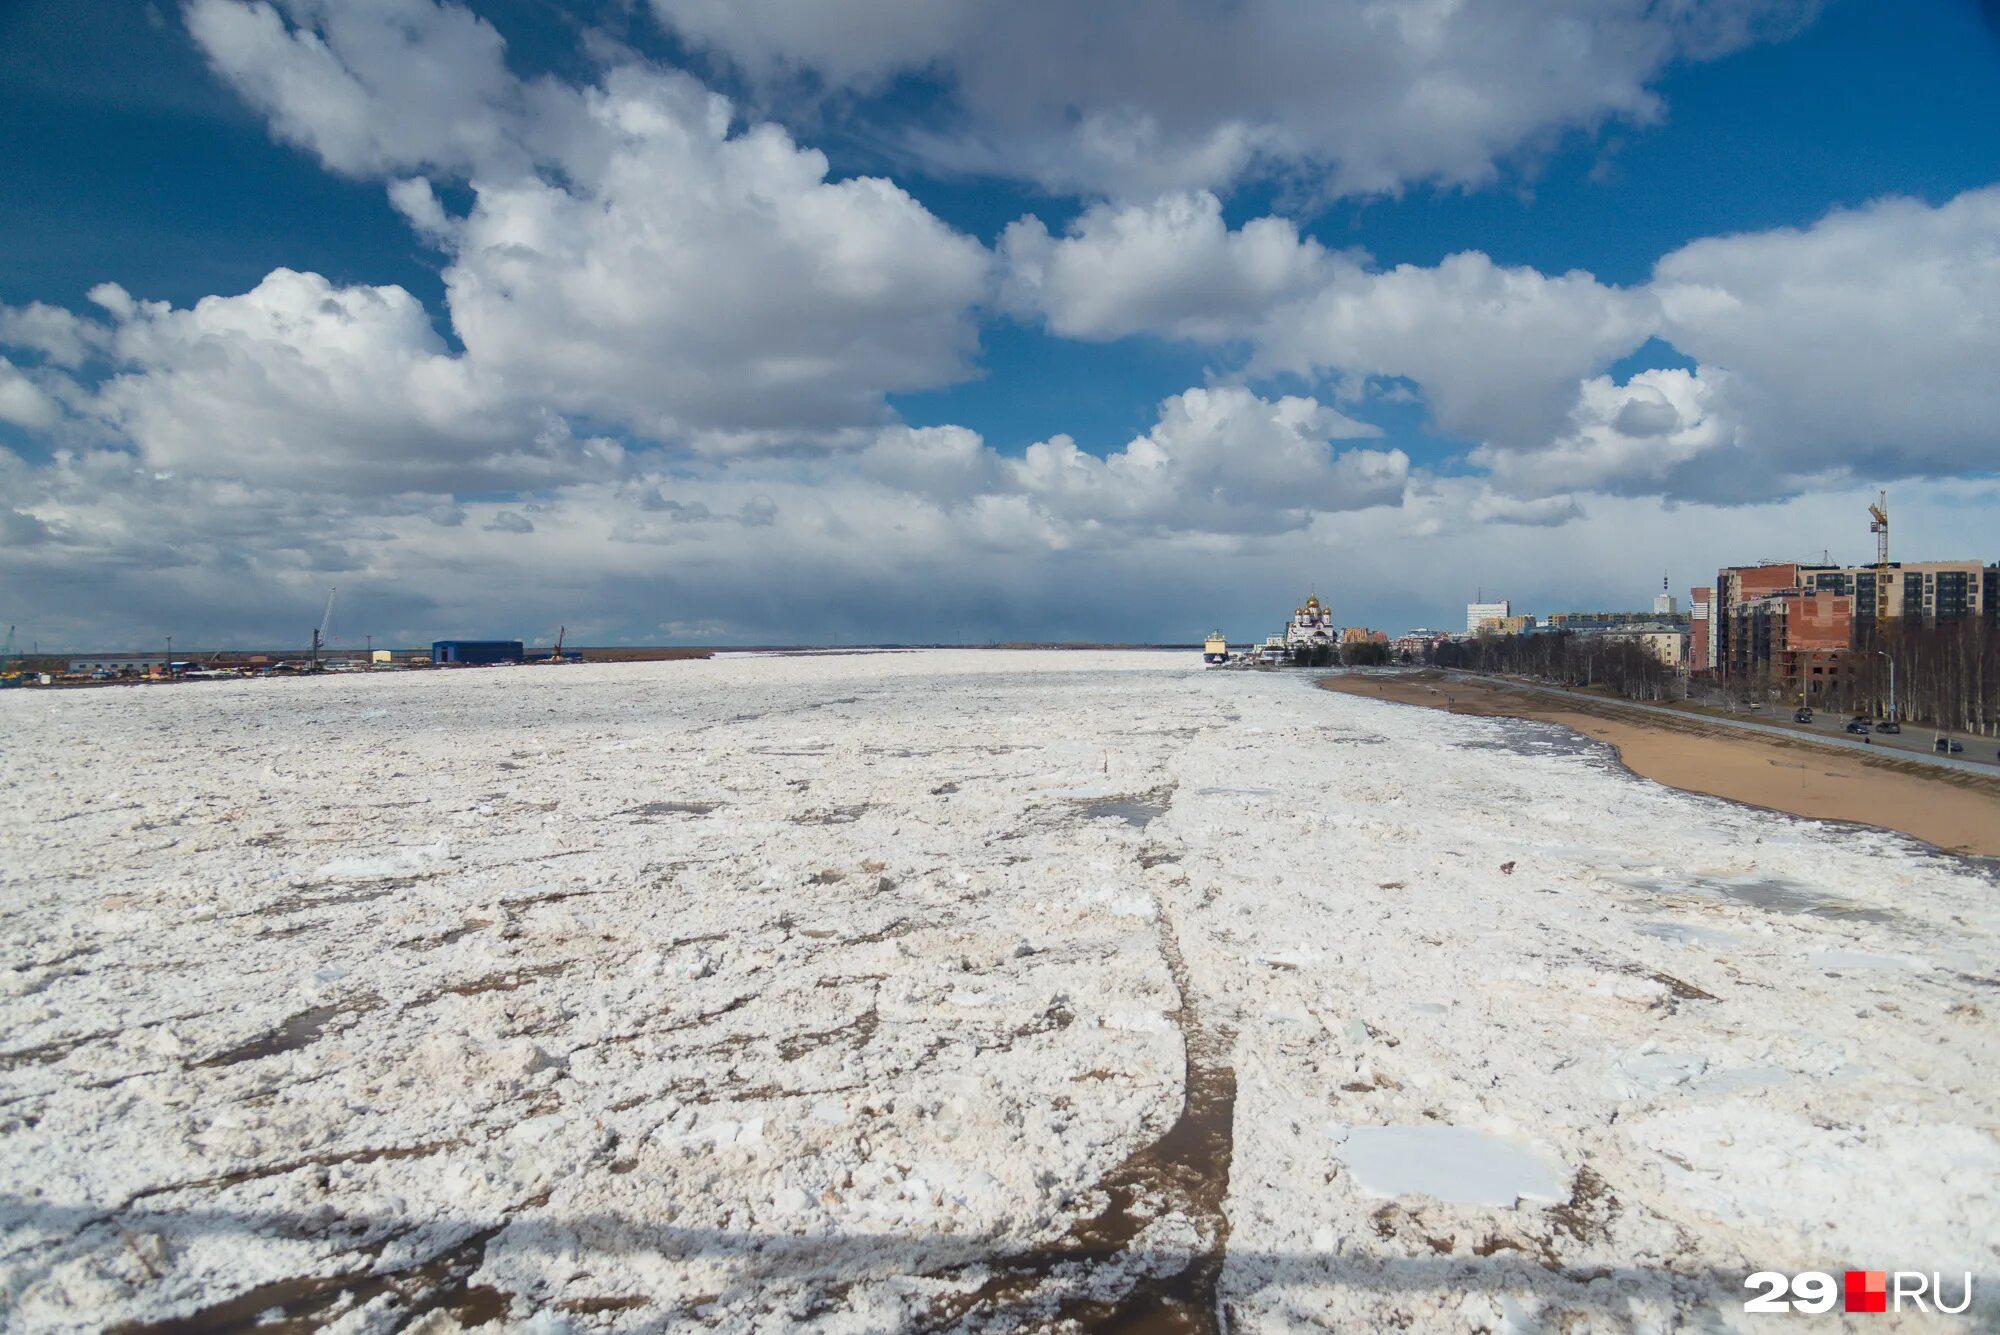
x,y
769,321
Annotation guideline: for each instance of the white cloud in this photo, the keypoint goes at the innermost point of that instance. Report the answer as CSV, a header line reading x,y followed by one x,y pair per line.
x,y
104,554
1132,97
1860,349
1171,267
1546,512
1868,341
944,464
370,86
61,338
1861,346
626,257
301,382
1498,350
1638,437
23,402
687,281
1219,460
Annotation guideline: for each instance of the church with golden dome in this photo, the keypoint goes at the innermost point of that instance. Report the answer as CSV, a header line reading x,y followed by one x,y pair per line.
x,y
1310,634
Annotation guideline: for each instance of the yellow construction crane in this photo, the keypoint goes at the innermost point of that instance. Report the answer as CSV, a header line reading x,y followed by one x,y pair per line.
x,y
1878,517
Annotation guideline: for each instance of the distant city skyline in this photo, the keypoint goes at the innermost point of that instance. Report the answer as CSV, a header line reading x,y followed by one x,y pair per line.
x,y
683,323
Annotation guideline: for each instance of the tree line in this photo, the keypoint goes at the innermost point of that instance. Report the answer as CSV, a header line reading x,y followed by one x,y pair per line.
x,y
1565,658
1947,676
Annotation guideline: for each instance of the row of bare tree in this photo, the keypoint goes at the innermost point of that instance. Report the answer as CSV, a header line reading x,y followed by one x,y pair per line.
x,y
1947,676
1564,658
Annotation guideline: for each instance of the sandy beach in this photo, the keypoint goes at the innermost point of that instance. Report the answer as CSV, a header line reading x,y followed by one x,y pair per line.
x,y
950,991
1956,812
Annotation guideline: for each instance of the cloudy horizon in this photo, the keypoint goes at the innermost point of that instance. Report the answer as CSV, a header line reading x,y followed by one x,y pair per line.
x,y
696,322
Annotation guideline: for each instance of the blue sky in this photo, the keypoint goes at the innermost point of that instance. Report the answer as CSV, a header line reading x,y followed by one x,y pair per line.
x,y
1233,330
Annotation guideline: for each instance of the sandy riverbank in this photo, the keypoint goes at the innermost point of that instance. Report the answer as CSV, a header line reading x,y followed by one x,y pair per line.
x,y
1958,813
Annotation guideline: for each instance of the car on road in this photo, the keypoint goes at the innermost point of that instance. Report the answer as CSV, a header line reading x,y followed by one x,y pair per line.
x,y
1802,716
1947,745
1888,725
1857,725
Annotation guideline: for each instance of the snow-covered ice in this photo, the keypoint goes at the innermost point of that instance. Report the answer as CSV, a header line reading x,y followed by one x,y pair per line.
x,y
950,990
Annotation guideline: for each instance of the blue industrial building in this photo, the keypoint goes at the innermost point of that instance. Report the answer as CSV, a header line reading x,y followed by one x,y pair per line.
x,y
477,651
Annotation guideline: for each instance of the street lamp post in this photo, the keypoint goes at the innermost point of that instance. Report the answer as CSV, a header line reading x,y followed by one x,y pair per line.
x,y
1884,654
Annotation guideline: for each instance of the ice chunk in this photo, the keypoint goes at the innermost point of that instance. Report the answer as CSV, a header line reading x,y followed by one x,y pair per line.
x,y
408,861
1855,959
1641,1073
1451,1163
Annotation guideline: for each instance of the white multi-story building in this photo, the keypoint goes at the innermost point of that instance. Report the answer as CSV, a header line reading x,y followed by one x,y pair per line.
x,y
1478,612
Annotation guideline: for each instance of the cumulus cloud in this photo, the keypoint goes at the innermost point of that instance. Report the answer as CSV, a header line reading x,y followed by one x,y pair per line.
x,y
1219,460
626,255
1132,97
371,86
1866,341
1172,266
945,464
302,382
1862,347
1497,350
59,337
1859,346
1640,436
23,402
687,280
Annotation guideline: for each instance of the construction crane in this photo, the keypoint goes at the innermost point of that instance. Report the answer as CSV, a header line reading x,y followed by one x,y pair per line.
x,y
1878,524
320,631
8,676
555,654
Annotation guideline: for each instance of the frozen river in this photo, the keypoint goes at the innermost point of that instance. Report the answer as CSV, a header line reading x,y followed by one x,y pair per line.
x,y
949,990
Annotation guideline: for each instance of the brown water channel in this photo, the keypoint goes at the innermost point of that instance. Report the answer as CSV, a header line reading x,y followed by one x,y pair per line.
x,y
1100,1277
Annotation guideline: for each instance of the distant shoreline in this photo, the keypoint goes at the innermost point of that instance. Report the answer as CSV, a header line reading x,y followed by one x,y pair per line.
x,y
1956,813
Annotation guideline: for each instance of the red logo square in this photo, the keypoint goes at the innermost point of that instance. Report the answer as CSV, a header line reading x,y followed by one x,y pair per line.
x,y
1867,1291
